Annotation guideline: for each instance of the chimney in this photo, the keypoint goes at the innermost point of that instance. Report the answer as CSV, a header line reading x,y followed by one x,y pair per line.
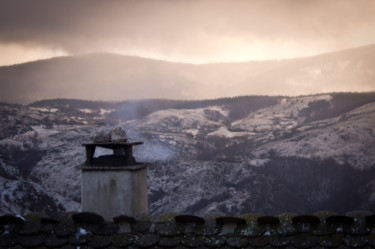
x,y
115,184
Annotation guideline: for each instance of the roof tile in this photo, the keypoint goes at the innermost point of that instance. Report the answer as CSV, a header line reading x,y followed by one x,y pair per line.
x,y
286,227
68,246
355,241
65,228
332,241
10,219
185,231
237,242
360,227
258,241
191,240
310,219
146,240
142,226
169,242
31,227
106,228
87,218
340,219
32,240
170,229
8,240
207,229
230,219
100,241
304,240
53,241
215,241
189,219
370,220
324,229
124,218
279,241
371,240
268,220
76,239
123,239
252,230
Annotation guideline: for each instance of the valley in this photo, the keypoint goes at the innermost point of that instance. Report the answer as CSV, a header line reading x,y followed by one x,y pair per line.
x,y
230,155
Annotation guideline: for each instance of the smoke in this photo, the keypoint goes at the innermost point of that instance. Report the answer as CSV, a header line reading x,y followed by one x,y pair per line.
x,y
152,151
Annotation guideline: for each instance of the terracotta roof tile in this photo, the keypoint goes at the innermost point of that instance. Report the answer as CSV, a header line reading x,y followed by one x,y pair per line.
x,y
68,246
332,241
54,241
214,241
87,218
304,240
191,240
371,240
124,219
371,220
8,240
31,241
259,241
268,220
80,239
310,219
170,229
355,241
189,219
65,228
106,228
100,241
142,226
10,219
230,219
169,242
237,242
325,230
286,227
146,240
279,241
123,239
340,219
207,229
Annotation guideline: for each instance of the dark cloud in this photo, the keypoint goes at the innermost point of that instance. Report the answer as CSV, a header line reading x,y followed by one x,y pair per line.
x,y
191,28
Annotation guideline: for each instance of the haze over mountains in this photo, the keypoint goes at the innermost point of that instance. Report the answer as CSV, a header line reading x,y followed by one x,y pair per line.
x,y
114,77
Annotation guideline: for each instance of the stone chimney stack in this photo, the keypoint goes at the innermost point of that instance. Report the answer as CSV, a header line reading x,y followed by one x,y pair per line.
x,y
115,184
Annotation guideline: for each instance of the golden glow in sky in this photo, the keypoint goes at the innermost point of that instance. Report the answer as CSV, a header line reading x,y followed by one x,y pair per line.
x,y
187,31
16,54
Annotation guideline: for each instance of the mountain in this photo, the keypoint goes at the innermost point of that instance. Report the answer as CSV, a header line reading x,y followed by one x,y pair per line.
x,y
111,77
229,155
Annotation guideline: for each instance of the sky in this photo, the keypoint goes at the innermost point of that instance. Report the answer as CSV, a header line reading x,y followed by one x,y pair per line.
x,y
192,31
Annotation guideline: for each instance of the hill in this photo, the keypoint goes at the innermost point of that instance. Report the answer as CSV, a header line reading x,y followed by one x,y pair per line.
x,y
110,77
229,155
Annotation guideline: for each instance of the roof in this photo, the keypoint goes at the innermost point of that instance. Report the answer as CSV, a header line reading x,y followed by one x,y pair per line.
x,y
89,230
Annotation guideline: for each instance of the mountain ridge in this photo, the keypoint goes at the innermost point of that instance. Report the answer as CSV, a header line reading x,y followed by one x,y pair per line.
x,y
112,77
230,156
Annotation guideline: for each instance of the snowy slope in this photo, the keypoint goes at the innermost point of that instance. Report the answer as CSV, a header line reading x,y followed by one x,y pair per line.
x,y
204,159
281,117
349,138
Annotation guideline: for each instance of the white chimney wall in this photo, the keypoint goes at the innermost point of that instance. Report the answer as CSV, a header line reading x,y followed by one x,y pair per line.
x,y
114,192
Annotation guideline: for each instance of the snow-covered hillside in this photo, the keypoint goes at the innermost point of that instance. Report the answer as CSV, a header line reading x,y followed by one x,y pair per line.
x,y
286,154
348,138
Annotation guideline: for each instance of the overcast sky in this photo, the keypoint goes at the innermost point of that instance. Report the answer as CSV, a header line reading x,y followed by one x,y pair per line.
x,y
195,31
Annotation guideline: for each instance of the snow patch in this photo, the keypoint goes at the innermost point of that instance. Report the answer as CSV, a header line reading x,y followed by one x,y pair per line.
x,y
224,132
